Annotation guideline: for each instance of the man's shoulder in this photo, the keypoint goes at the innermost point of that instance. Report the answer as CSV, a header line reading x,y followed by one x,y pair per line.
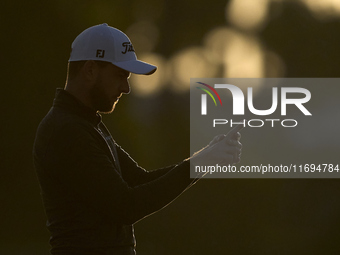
x,y
63,119
61,128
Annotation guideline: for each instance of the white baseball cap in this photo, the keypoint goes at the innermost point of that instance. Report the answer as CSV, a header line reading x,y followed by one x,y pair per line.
x,y
105,43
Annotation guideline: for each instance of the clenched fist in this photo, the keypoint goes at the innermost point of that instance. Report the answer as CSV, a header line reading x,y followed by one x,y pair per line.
x,y
223,150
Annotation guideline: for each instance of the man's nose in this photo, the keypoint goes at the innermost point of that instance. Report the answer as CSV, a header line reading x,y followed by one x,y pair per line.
x,y
126,87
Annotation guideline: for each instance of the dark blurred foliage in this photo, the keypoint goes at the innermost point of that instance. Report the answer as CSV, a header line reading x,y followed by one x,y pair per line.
x,y
237,216
308,47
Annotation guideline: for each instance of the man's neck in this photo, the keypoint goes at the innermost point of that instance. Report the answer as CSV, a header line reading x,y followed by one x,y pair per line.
x,y
79,92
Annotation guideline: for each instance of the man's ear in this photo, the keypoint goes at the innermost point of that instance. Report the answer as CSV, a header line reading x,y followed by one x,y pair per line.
x,y
90,70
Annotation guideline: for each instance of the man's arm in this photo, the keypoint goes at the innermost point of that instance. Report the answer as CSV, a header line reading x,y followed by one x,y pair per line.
x,y
135,175
85,169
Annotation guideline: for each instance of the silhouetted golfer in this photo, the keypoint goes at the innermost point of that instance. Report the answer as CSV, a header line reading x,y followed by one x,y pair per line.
x,y
93,192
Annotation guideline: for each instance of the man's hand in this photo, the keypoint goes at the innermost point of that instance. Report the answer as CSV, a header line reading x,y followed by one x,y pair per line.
x,y
223,149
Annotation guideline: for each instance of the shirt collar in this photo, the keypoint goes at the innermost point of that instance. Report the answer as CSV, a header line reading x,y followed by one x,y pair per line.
x,y
67,101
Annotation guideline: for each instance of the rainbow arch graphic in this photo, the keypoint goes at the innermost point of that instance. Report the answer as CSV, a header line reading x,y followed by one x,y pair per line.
x,y
209,93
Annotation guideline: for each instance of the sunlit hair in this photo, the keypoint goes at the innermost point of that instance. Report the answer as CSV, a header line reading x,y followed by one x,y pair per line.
x,y
74,67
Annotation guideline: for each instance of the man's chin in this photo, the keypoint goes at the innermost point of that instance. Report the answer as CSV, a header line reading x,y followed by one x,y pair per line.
x,y
107,110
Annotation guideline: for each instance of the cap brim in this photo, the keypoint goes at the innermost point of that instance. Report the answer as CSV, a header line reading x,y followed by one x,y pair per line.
x,y
137,67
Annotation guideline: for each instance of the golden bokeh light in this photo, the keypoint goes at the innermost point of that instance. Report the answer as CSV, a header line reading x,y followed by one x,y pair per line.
x,y
216,42
193,62
247,14
243,57
323,9
146,85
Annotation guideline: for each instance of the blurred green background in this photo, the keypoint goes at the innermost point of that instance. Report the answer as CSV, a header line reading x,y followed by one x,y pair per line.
x,y
238,38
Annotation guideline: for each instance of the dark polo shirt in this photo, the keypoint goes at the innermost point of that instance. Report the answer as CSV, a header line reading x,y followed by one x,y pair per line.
x,y
92,190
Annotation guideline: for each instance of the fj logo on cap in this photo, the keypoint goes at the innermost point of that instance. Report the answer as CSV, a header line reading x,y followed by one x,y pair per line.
x,y
128,47
100,53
